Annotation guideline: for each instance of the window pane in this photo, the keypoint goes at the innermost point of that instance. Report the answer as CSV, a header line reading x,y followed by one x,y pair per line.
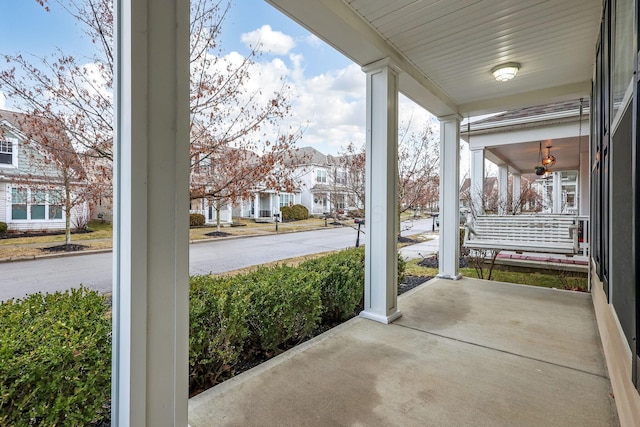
x,y
18,211
55,212
37,212
19,196
622,52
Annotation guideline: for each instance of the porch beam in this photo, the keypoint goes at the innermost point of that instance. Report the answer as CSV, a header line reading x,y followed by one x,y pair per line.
x,y
151,182
476,185
449,197
381,194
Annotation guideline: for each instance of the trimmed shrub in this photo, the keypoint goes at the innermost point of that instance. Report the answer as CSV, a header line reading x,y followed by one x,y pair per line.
x,y
56,359
341,282
196,219
300,212
217,328
294,213
3,227
285,305
287,213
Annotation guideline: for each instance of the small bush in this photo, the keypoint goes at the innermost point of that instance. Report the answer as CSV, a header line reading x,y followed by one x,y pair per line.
x,y
341,282
294,213
196,220
284,307
56,359
287,213
217,328
3,227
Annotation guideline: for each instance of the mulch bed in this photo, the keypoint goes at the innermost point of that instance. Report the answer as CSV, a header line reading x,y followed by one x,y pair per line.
x,y
402,239
432,262
217,234
71,247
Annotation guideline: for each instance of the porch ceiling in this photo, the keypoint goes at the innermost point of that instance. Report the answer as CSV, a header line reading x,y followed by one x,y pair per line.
x,y
446,49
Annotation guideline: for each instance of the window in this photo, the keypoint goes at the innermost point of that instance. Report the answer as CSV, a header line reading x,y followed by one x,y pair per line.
x,y
340,204
55,205
6,152
286,199
18,203
341,177
321,176
35,204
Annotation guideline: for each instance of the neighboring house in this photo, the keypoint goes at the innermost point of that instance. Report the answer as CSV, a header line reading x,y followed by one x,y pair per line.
x,y
323,182
31,187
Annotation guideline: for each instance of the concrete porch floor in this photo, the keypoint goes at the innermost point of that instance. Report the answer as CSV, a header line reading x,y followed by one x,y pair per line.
x,y
467,352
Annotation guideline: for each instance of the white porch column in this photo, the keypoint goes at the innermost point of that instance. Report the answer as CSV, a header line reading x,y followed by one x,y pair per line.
x,y
151,186
476,187
557,192
381,253
503,189
449,197
516,191
256,205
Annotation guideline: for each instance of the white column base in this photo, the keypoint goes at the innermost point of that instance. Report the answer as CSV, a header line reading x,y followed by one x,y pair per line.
x,y
379,318
448,276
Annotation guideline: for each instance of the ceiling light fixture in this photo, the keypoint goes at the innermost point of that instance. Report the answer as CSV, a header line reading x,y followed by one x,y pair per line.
x,y
548,160
505,72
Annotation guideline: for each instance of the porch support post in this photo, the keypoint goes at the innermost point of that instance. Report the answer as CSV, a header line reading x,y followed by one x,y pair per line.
x,y
476,187
516,192
151,199
557,192
381,200
256,205
503,189
449,197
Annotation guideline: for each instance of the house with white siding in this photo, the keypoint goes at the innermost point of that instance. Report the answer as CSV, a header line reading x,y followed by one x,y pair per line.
x,y
31,186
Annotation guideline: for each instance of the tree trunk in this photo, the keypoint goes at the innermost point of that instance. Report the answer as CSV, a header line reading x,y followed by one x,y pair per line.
x,y
218,218
67,208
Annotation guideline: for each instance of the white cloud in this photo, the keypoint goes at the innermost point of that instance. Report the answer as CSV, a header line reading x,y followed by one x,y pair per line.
x,y
313,41
270,41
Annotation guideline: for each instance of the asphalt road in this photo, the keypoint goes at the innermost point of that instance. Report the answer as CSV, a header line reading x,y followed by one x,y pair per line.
x,y
18,279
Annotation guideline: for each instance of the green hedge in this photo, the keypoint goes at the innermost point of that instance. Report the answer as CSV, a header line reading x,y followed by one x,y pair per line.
x,y
294,213
285,305
217,327
196,220
56,349
56,359
3,227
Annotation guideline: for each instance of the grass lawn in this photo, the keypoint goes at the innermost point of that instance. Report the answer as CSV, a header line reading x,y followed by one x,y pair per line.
x,y
543,278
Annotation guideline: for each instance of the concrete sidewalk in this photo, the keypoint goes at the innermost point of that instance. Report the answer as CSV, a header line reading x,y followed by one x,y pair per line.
x,y
422,249
465,352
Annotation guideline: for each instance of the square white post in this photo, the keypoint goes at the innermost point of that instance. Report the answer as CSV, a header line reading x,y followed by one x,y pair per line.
x,y
449,197
476,187
557,192
151,201
503,189
516,191
381,194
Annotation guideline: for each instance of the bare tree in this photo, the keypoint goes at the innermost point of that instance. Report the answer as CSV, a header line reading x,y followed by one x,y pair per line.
x,y
226,112
352,161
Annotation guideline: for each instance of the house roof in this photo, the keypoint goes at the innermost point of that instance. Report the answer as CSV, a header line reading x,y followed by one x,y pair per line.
x,y
50,139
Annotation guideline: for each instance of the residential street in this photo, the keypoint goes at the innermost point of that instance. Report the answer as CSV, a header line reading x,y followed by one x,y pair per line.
x,y
94,270
20,278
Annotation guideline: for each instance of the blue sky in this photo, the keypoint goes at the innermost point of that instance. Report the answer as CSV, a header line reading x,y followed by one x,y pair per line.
x,y
328,93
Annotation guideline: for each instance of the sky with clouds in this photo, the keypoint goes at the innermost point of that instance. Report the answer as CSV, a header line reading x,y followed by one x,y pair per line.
x,y
327,90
